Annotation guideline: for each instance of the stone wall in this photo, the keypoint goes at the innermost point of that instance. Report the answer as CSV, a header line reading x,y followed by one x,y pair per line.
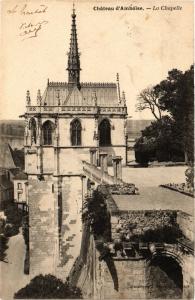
x,y
128,281
83,275
43,225
55,224
71,223
134,278
139,222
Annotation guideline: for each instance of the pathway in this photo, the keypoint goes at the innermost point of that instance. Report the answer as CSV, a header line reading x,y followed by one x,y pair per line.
x,y
12,272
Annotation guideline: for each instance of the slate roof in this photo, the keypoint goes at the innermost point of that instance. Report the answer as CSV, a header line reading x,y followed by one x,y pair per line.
x,y
9,158
106,94
6,157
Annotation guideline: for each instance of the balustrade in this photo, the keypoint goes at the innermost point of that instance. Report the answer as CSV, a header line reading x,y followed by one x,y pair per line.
x,y
86,109
96,174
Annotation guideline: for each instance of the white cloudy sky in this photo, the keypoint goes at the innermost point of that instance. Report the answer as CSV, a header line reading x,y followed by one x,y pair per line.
x,y
141,45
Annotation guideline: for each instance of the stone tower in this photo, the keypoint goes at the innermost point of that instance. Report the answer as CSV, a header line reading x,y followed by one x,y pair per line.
x,y
66,122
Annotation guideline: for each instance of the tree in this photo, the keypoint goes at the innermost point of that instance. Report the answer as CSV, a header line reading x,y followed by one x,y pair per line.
x,y
149,99
173,132
48,287
160,142
176,97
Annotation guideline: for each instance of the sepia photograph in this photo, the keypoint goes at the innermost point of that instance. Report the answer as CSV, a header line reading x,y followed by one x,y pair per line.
x,y
97,149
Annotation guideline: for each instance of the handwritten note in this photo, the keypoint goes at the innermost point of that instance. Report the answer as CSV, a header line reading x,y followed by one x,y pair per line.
x,y
26,10
29,29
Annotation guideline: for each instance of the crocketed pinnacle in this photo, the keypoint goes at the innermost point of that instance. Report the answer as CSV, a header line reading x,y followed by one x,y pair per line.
x,y
73,55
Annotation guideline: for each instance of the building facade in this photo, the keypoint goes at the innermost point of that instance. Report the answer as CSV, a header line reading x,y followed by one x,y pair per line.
x,y
20,190
68,120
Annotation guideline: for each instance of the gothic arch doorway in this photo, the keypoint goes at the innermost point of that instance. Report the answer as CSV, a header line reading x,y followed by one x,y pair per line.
x,y
104,133
164,278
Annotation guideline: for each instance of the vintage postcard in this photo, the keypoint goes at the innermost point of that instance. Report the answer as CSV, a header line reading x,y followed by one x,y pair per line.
x,y
97,149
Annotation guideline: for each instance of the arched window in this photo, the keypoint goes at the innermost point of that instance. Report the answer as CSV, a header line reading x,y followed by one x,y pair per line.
x,y
48,129
32,127
104,133
75,133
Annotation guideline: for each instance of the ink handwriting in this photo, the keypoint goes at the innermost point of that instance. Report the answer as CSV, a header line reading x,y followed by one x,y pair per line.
x,y
30,30
26,11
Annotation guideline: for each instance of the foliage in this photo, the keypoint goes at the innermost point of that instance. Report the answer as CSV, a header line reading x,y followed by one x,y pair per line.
x,y
161,234
14,215
48,287
160,142
10,230
3,247
170,137
190,176
96,215
25,232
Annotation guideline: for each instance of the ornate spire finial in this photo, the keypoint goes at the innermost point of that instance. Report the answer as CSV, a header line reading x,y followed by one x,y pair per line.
x,y
118,87
73,8
28,100
74,55
39,99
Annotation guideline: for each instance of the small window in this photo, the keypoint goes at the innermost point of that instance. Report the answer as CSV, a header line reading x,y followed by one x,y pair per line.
x,y
19,186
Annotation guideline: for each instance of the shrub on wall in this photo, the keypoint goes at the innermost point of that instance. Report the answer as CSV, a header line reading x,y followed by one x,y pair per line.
x,y
190,177
48,287
95,214
166,234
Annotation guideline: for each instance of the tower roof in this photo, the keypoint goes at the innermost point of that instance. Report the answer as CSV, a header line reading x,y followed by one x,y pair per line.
x,y
73,55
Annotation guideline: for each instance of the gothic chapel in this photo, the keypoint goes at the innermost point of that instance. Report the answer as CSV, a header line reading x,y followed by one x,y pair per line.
x,y
69,119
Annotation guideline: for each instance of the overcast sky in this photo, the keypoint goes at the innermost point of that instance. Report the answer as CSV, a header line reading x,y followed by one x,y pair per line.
x,y
140,45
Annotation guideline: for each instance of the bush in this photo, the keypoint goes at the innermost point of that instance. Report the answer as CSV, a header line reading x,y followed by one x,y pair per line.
x,y
96,215
48,287
10,230
13,220
3,247
160,142
166,234
190,177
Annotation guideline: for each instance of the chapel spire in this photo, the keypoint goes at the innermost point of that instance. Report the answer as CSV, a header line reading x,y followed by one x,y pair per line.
x,y
74,55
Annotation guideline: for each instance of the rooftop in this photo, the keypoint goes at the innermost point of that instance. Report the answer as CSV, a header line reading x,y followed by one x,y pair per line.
x,y
90,93
21,176
7,157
